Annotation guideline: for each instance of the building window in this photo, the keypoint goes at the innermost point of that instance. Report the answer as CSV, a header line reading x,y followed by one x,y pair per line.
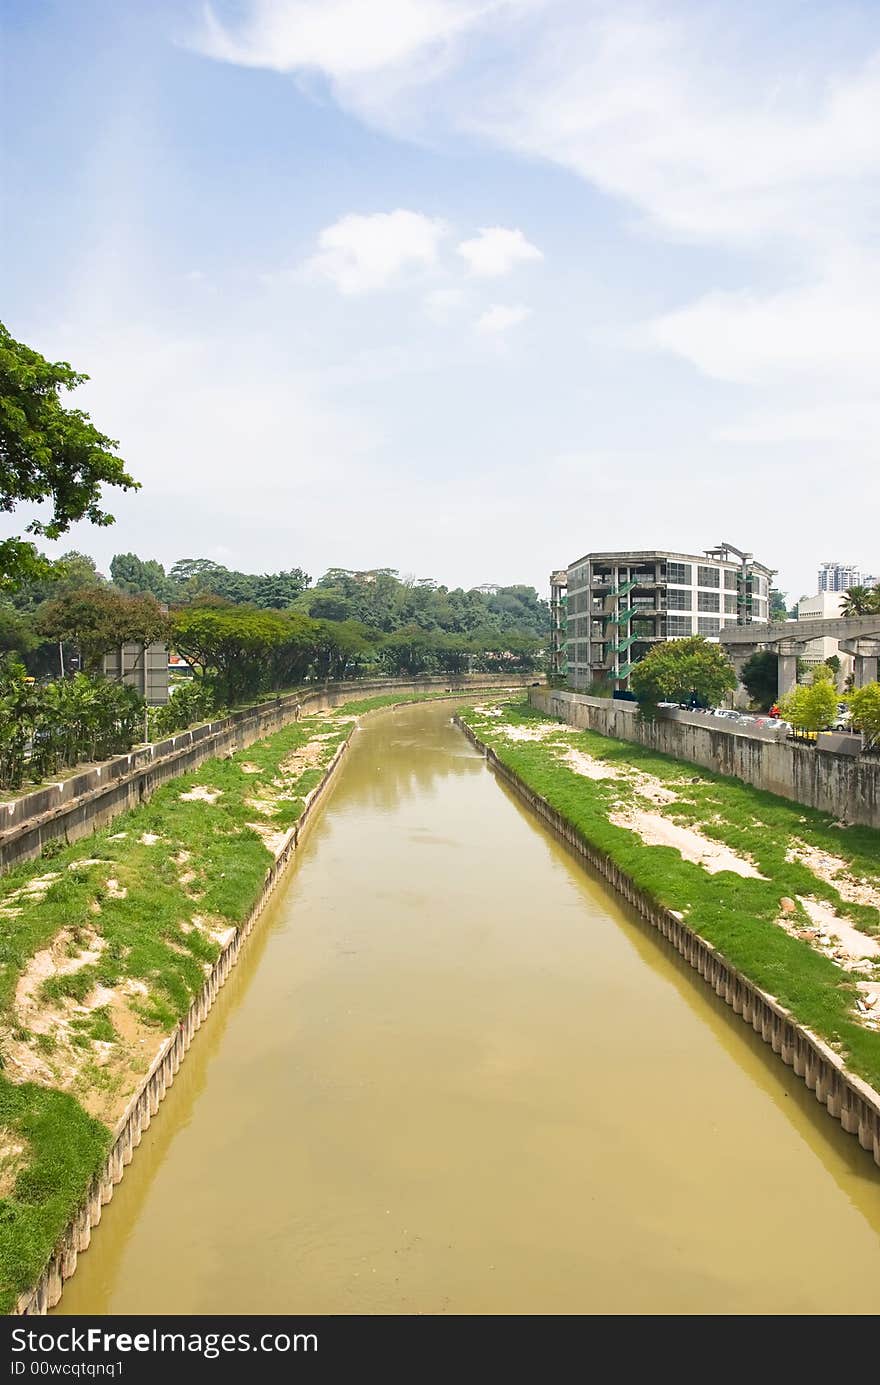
x,y
708,601
706,625
730,580
729,605
680,601
679,625
679,572
708,577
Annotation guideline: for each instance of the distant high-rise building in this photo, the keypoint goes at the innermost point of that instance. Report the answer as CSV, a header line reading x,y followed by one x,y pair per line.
x,y
839,577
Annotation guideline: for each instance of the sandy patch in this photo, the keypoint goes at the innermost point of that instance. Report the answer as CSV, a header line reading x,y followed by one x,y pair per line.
x,y
13,1158
149,838
248,768
588,766
216,929
835,871
272,838
836,936
539,732
115,890
656,830
200,793
29,893
30,1010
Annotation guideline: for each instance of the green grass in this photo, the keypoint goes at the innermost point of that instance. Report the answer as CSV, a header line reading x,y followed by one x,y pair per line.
x,y
737,915
66,1149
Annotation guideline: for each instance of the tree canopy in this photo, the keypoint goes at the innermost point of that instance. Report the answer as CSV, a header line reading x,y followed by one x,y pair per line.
x,y
864,703
48,454
760,678
683,671
861,601
812,706
99,619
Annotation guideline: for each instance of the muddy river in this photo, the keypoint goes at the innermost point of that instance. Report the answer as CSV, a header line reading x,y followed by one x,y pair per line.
x,y
451,1074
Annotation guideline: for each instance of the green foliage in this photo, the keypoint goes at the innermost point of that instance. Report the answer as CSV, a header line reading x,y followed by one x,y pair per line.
x,y
864,703
48,453
861,601
682,670
44,728
760,677
778,610
99,619
193,578
134,576
66,1148
189,703
812,706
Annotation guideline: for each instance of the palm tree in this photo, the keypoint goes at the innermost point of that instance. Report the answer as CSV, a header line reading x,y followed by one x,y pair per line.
x,y
860,601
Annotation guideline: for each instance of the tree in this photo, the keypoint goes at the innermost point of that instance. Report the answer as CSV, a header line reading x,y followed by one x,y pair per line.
x,y
99,619
812,706
860,601
683,671
864,703
136,575
48,453
778,610
242,651
833,662
760,677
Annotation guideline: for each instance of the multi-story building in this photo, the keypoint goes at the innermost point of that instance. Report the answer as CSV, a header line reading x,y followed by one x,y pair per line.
x,y
839,577
558,621
619,604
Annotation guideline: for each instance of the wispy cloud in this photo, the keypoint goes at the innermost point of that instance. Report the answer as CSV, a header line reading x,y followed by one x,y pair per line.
x,y
501,317
359,254
342,38
497,250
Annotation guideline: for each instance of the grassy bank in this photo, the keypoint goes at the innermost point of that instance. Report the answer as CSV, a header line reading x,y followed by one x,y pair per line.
x,y
103,946
789,896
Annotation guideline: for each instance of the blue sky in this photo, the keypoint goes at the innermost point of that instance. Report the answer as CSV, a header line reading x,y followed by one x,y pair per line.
x,y
462,287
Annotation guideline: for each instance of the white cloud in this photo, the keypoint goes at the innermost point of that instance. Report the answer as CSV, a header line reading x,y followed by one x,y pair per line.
x,y
497,250
362,253
342,38
500,317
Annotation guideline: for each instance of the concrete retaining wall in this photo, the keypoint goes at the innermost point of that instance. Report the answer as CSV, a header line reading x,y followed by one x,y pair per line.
x,y
847,1098
848,788
75,807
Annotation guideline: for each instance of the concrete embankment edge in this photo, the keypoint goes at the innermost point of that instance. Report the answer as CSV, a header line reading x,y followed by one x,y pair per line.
x,y
846,1097
151,1092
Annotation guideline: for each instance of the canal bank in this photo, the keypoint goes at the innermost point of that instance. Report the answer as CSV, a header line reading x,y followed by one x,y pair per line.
x,y
848,1099
451,1073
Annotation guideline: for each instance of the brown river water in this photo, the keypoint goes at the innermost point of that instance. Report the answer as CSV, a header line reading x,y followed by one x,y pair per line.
x,y
451,1074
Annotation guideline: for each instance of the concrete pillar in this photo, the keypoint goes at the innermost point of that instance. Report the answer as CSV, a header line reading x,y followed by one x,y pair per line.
x,y
788,652
787,677
865,651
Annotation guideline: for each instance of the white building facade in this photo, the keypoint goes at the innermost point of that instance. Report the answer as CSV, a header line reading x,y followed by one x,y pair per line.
x,y
620,604
839,577
824,606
